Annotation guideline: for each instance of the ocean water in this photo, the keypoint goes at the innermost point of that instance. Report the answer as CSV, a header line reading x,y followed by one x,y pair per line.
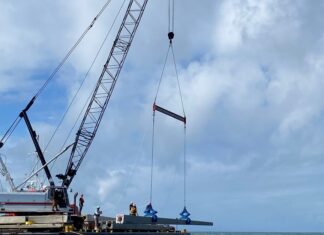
x,y
252,233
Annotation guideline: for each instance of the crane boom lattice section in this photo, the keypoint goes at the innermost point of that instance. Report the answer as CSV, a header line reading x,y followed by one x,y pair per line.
x,y
104,87
4,171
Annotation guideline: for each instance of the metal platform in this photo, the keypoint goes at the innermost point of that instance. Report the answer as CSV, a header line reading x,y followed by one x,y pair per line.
x,y
129,219
66,224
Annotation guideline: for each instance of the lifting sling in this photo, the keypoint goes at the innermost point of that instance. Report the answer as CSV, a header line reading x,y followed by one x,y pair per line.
x,y
149,211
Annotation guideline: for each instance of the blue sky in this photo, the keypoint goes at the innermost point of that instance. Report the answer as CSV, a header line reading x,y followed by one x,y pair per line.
x,y
252,80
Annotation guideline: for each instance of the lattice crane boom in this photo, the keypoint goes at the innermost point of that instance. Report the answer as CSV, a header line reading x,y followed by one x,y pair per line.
x,y
4,171
104,88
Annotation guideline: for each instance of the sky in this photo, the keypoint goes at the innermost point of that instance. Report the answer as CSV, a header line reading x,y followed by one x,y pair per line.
x,y
251,75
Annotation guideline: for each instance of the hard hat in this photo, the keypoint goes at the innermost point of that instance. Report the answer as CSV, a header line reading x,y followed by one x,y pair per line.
x,y
98,206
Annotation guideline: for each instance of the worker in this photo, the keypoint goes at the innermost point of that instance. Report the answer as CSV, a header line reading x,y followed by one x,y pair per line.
x,y
55,200
96,216
133,209
81,202
130,206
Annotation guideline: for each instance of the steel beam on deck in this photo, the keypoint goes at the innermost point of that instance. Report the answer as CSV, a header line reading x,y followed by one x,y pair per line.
x,y
141,227
130,219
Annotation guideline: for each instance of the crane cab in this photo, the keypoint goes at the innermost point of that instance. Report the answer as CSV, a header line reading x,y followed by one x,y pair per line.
x,y
34,202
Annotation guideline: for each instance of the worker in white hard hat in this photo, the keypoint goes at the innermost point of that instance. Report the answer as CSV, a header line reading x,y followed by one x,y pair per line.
x,y
96,216
133,209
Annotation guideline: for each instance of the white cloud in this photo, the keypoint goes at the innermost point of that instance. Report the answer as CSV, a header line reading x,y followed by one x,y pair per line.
x,y
109,184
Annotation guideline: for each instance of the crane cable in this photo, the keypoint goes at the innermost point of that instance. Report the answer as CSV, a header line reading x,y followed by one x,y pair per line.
x,y
171,19
72,49
56,70
9,131
184,215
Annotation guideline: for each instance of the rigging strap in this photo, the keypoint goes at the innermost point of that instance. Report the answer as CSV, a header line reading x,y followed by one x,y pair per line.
x,y
184,165
152,158
177,77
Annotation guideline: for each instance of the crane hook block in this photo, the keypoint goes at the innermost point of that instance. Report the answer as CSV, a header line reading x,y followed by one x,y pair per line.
x,y
1,144
170,36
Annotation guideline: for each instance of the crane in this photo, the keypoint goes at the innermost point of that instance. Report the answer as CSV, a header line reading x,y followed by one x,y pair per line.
x,y
88,127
